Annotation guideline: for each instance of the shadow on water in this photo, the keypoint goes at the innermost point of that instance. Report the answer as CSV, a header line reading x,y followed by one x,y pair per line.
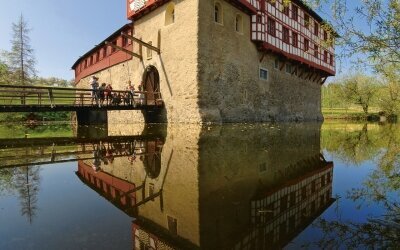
x,y
226,187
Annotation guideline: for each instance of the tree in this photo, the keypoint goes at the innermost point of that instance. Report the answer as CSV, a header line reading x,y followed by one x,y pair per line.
x,y
380,230
21,59
389,97
359,89
27,182
5,73
371,28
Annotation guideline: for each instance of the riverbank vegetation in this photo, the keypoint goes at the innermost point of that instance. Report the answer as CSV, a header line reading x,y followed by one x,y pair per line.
x,y
363,97
18,67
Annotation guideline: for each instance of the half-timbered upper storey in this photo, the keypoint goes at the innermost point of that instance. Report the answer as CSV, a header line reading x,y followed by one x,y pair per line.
x,y
295,31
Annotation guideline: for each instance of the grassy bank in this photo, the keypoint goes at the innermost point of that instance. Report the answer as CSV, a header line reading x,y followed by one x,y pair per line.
x,y
42,116
353,113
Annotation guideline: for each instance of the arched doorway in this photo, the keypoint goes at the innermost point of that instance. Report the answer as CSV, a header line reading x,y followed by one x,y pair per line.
x,y
151,84
152,158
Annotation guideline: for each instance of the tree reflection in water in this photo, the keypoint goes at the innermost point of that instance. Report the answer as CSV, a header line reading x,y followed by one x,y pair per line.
x,y
381,187
25,181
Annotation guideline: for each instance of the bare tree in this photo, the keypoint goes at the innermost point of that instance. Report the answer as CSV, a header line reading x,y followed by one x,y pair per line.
x,y
27,181
21,58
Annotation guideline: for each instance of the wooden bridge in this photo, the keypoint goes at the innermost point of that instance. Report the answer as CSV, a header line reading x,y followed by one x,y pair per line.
x,y
46,99
44,151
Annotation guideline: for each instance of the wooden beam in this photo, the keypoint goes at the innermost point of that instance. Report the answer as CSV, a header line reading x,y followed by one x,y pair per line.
x,y
283,63
149,46
262,57
159,41
323,81
310,75
123,49
294,70
316,77
301,72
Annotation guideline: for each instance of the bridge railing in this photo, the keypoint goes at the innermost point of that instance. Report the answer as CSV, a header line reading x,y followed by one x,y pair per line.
x,y
16,95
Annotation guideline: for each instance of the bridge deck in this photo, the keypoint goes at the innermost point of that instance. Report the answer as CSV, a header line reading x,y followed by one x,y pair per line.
x,y
54,99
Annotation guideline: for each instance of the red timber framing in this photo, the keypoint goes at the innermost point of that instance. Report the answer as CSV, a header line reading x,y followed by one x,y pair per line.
x,y
305,34
103,55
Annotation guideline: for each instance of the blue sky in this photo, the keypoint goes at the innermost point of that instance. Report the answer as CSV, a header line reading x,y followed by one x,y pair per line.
x,y
62,30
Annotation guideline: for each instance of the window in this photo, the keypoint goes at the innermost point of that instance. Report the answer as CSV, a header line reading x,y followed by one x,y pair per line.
x,y
286,10
325,56
170,14
306,21
239,23
295,13
90,60
149,51
288,68
285,34
295,39
306,44
218,13
331,60
276,65
316,51
263,74
316,28
325,35
244,96
124,41
271,26
172,225
259,19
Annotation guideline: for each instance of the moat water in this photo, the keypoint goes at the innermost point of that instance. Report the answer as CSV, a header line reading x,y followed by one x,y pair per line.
x,y
248,186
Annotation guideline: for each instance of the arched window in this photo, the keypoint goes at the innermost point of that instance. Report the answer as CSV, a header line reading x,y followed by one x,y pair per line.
x,y
218,13
239,23
170,14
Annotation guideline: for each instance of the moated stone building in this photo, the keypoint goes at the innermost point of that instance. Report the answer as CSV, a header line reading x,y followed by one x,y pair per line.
x,y
217,60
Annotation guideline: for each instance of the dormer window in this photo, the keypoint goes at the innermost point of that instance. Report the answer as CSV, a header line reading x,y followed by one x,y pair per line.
x,y
170,14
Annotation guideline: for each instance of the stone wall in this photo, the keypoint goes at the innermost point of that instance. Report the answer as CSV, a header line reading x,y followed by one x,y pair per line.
x,y
177,63
209,72
229,84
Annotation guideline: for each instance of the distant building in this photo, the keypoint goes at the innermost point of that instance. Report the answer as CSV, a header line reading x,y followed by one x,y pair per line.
x,y
218,60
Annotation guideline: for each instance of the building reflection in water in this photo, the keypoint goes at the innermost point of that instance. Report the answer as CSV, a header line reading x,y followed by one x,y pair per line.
x,y
228,187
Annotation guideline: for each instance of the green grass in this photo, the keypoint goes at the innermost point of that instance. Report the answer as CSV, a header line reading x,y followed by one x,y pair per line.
x,y
40,116
21,131
353,113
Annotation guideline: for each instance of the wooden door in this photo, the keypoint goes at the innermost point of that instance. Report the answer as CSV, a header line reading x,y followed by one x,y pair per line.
x,y
151,83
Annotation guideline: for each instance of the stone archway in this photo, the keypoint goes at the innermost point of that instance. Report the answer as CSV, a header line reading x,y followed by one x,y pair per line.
x,y
152,159
151,84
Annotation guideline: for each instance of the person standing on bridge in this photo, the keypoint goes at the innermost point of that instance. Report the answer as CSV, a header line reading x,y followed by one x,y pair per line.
x,y
107,94
94,85
131,93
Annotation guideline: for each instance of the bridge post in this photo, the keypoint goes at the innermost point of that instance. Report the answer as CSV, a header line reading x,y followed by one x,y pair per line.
x,y
91,117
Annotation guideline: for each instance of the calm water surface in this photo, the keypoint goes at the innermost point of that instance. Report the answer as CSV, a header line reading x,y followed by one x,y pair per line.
x,y
264,186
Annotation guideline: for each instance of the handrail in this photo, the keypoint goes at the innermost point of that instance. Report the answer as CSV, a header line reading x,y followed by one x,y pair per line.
x,y
43,97
68,89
